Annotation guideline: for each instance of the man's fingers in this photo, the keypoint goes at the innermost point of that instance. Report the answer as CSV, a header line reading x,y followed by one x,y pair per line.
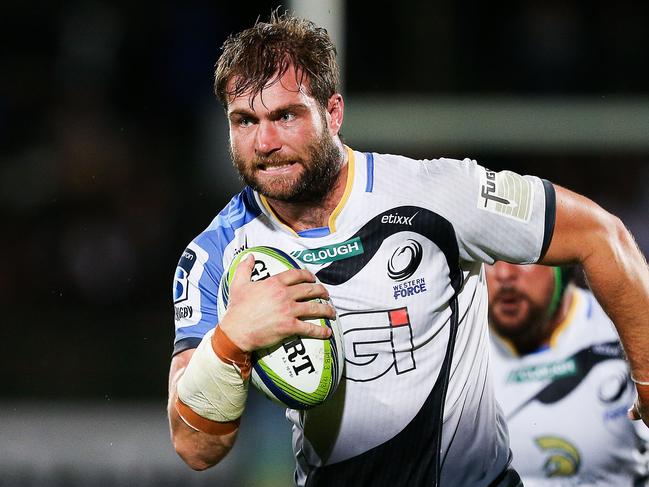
x,y
314,310
294,276
309,330
633,413
308,290
243,271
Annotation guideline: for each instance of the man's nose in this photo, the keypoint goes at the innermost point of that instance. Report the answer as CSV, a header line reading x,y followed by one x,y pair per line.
x,y
505,272
267,140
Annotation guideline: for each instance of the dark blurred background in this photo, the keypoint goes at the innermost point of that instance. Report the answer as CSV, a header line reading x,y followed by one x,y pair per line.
x,y
113,150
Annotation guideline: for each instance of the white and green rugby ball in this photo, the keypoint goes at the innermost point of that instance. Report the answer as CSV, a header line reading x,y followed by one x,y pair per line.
x,y
298,372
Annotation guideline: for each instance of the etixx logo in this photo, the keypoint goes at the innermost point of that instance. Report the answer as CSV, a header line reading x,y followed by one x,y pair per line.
x,y
399,219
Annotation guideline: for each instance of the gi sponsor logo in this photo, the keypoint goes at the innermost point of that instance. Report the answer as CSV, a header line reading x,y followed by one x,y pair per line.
x,y
506,193
398,219
376,343
330,253
405,260
563,458
185,265
551,371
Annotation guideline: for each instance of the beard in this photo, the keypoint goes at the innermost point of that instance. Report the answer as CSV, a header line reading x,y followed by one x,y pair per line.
x,y
527,323
320,167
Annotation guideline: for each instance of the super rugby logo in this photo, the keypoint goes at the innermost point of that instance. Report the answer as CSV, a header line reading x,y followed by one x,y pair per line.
x,y
185,265
187,297
405,260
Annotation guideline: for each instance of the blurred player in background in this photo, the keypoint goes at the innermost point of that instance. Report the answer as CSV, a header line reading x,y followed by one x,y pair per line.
x,y
562,381
416,405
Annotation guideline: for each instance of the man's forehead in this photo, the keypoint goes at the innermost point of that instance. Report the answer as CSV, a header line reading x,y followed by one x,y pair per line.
x,y
291,87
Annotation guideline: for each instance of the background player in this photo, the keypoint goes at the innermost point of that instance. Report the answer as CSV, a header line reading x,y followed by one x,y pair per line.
x,y
562,381
433,221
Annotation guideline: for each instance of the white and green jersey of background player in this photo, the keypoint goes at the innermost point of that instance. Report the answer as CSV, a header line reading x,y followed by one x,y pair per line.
x,y
402,260
566,405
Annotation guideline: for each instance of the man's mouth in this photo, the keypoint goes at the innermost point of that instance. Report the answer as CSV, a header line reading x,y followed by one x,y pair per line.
x,y
509,301
275,167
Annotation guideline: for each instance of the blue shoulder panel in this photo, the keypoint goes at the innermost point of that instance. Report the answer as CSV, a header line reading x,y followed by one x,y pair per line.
x,y
241,210
369,186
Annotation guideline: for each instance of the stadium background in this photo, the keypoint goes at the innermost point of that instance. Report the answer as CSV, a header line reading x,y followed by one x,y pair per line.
x,y
113,157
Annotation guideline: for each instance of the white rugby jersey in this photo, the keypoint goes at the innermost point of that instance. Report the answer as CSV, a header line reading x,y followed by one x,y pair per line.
x,y
566,404
402,260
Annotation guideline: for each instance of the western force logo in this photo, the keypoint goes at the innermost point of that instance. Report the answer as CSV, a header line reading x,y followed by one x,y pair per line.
x,y
506,193
563,458
185,265
410,288
398,219
330,253
612,388
405,260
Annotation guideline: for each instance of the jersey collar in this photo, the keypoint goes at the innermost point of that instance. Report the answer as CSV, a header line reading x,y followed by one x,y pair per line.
x,y
331,224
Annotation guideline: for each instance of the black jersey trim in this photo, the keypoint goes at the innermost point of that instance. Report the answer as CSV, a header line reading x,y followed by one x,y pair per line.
x,y
185,344
585,360
550,215
508,478
400,219
413,456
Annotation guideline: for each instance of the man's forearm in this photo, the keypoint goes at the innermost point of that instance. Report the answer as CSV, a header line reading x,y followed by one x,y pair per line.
x,y
616,271
199,450
618,275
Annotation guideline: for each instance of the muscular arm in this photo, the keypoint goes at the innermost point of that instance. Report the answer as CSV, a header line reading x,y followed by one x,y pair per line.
x,y
211,381
616,271
199,450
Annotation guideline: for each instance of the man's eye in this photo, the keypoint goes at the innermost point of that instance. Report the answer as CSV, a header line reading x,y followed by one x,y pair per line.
x,y
287,117
245,122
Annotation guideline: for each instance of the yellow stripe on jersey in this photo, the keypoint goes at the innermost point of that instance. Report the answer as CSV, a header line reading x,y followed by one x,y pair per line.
x,y
570,315
274,215
351,165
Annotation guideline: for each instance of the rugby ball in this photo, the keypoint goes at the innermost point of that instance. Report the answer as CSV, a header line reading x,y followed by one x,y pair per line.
x,y
298,372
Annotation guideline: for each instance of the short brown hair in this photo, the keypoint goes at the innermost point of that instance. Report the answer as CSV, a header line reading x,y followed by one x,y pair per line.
x,y
264,52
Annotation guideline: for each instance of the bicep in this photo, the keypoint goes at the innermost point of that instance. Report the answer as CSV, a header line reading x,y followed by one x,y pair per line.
x,y
580,225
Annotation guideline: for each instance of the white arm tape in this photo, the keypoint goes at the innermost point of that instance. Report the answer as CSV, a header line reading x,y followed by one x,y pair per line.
x,y
210,387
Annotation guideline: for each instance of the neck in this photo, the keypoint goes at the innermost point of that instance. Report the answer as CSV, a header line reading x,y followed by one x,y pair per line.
x,y
306,215
530,342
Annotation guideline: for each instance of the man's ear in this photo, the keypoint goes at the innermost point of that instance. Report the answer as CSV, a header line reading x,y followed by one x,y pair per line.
x,y
335,113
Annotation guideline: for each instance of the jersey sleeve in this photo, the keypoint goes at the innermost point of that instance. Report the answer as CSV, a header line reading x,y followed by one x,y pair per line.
x,y
195,290
498,215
